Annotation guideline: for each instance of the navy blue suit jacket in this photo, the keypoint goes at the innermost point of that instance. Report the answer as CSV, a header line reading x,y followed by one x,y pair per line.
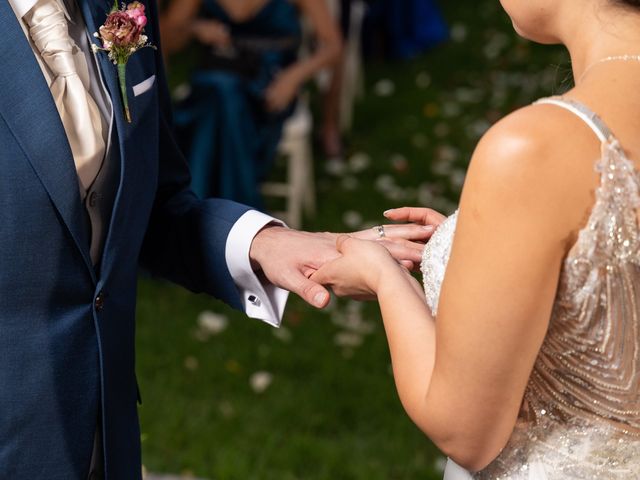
x,y
67,360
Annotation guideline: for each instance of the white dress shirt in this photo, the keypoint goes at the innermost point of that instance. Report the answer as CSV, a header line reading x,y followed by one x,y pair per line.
x,y
261,300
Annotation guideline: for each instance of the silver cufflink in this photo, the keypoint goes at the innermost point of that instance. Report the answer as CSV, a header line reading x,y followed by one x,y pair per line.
x,y
254,300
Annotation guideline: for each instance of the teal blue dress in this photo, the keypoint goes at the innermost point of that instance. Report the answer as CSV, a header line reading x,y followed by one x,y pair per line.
x,y
228,135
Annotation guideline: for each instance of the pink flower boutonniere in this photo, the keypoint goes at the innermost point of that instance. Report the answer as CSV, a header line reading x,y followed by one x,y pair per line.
x,y
122,35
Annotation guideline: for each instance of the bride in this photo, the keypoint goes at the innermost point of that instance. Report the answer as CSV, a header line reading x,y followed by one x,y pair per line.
x,y
523,359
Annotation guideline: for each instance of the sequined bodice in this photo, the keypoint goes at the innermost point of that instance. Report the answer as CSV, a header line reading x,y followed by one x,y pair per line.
x,y
580,416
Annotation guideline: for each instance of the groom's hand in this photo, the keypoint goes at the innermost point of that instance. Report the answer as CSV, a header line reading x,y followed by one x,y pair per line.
x,y
289,257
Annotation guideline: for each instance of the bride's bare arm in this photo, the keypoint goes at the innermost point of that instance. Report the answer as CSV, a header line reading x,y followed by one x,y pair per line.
x,y
462,378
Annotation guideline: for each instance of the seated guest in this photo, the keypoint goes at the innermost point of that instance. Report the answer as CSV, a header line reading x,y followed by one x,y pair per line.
x,y
330,135
245,86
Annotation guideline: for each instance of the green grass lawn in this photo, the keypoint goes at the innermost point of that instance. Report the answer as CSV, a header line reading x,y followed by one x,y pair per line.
x,y
330,410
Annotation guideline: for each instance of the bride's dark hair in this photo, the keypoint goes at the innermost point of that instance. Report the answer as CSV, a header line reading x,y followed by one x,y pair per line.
x,y
629,3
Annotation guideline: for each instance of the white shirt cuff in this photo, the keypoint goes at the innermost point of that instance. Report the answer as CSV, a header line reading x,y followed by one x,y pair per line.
x,y
261,299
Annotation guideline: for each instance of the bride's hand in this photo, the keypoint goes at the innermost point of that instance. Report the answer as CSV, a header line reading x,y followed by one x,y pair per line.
x,y
404,242
419,215
358,271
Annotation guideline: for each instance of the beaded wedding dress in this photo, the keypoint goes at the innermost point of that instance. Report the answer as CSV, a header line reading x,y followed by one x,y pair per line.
x,y
580,415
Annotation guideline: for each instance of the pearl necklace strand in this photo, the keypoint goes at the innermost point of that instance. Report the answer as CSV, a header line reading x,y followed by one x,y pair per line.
x,y
614,58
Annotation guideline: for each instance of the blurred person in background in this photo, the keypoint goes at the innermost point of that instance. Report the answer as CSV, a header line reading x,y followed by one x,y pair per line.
x,y
330,136
245,86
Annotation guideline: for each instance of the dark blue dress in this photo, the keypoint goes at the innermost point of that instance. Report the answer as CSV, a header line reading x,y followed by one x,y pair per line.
x,y
228,135
410,26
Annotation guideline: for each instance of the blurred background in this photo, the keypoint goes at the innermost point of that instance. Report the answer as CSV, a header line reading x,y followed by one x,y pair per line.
x,y
272,110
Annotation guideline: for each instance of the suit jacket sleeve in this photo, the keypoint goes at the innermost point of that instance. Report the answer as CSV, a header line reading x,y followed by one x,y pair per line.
x,y
186,238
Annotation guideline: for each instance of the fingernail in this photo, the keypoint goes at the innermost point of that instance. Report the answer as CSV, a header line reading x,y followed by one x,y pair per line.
x,y
319,299
428,228
387,212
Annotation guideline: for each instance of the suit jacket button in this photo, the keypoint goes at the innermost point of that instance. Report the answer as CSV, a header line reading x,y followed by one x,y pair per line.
x,y
99,301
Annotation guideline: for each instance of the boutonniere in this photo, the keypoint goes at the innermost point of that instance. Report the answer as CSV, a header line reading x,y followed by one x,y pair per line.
x,y
122,35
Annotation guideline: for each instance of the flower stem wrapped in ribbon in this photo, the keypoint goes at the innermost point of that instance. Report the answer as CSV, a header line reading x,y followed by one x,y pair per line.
x,y
122,35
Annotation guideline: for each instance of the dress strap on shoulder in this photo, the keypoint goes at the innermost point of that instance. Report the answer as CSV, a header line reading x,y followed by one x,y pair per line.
x,y
585,113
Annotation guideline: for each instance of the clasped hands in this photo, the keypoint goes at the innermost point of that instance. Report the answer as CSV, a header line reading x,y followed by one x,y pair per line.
x,y
349,264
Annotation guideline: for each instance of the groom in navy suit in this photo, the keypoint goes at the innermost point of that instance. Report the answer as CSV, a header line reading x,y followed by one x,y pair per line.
x,y
85,197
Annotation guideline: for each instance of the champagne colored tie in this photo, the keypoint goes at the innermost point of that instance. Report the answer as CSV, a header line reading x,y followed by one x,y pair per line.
x,y
80,116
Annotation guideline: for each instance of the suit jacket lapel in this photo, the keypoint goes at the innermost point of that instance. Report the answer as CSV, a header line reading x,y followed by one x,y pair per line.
x,y
28,109
95,12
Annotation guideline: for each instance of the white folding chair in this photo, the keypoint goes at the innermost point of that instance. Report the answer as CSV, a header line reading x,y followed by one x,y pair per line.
x,y
298,191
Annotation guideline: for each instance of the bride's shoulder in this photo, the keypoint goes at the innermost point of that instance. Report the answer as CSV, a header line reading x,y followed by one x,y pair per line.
x,y
539,157
539,129
540,139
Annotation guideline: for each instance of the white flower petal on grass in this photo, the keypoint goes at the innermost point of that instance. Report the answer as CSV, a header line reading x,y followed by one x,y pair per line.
x,y
226,409
354,324
457,178
351,320
399,162
212,323
447,153
385,182
451,109
425,194
469,95
359,161
384,88
458,32
423,80
348,339
260,381
352,219
191,363
419,140
335,167
283,334
496,44
354,306
396,194
442,167
441,129
201,335
350,183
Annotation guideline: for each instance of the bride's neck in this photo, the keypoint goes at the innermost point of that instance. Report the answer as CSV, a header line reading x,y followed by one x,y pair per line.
x,y
605,31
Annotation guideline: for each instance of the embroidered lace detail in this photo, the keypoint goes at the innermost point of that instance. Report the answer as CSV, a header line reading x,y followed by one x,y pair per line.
x,y
435,258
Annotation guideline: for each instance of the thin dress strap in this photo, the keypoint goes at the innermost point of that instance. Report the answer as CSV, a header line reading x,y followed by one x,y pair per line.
x,y
585,113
